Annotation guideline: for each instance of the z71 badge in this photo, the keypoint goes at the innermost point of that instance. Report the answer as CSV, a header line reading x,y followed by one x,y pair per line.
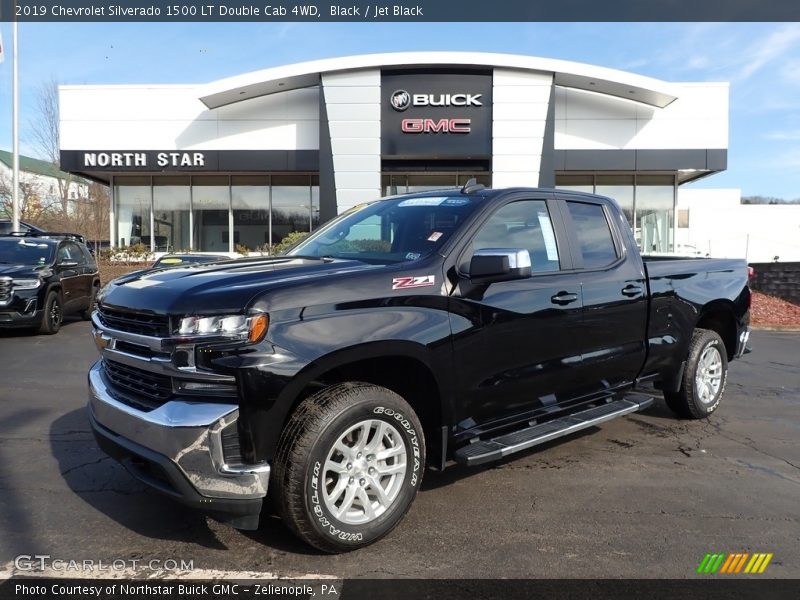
x,y
401,283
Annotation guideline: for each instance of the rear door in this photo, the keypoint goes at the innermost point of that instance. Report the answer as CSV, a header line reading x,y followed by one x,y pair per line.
x,y
614,294
71,268
516,342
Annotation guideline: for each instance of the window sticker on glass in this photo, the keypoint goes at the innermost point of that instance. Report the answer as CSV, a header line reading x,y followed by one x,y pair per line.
x,y
456,201
422,201
434,237
549,238
413,255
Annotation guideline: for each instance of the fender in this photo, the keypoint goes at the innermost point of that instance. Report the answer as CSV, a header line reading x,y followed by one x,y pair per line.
x,y
270,392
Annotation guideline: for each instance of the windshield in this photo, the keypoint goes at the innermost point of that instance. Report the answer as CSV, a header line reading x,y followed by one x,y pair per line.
x,y
177,261
25,252
390,231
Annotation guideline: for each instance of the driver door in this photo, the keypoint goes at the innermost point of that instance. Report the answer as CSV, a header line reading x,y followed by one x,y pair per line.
x,y
516,342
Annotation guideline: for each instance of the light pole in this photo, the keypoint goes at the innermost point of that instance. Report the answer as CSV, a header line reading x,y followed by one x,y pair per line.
x,y
15,131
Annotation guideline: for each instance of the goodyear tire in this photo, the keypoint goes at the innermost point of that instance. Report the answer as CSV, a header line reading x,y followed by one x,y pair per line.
x,y
349,464
704,378
53,314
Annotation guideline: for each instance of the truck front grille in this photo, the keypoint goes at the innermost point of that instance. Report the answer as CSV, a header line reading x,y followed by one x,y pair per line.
x,y
134,322
5,289
136,387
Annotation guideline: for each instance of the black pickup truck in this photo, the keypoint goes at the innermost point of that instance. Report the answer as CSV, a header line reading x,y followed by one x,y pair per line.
x,y
458,325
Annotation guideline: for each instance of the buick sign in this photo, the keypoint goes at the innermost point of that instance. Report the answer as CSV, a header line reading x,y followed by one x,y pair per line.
x,y
436,114
400,100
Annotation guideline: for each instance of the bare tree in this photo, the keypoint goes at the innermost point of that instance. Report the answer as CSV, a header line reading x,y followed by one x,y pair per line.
x,y
79,206
44,135
33,206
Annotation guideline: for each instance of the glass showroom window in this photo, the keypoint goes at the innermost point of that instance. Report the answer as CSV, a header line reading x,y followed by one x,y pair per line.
x,y
620,188
211,203
403,183
314,202
250,195
655,203
171,201
291,205
133,198
576,183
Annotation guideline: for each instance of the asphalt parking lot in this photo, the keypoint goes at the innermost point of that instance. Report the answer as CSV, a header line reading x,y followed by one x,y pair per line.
x,y
642,496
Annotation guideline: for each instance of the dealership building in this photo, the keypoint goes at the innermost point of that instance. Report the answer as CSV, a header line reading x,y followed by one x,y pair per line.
x,y
248,159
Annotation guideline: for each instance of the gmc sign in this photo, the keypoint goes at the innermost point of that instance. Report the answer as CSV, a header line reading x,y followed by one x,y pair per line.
x,y
436,114
436,125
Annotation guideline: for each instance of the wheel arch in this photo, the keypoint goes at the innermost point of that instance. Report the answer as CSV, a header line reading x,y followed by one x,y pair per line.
x,y
400,366
719,316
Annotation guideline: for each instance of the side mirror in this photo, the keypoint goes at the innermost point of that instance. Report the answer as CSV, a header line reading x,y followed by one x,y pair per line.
x,y
499,264
68,264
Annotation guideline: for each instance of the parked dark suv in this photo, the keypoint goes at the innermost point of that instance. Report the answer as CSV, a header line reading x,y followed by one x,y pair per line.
x,y
44,277
7,226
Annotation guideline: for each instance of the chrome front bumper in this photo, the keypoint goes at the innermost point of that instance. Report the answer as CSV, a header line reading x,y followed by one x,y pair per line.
x,y
177,448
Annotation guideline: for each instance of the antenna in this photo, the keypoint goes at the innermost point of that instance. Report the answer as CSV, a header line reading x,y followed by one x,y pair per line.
x,y
472,185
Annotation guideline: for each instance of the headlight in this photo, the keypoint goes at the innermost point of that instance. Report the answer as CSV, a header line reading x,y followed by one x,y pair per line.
x,y
251,328
27,284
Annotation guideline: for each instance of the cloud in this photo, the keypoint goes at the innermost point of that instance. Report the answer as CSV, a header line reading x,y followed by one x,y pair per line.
x,y
784,136
762,53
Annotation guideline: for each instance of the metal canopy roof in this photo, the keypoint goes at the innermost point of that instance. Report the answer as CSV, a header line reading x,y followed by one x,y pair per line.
x,y
566,73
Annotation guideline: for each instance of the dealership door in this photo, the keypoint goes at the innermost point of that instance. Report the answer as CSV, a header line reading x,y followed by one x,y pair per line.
x,y
407,182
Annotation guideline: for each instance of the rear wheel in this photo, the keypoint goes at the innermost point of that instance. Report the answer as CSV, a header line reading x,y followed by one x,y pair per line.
x,y
53,314
348,466
704,378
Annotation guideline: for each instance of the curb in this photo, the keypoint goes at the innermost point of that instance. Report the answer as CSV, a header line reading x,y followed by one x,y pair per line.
x,y
784,328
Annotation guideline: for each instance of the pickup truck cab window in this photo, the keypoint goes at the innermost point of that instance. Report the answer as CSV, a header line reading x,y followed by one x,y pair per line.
x,y
390,231
522,224
594,235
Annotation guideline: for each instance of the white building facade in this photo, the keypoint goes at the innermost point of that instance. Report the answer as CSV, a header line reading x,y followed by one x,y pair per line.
x,y
714,222
248,159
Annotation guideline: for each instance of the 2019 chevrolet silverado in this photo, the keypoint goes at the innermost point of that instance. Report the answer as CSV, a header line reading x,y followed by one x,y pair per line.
x,y
460,325
44,276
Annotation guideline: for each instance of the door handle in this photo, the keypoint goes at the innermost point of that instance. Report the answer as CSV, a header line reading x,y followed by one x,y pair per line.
x,y
563,298
632,290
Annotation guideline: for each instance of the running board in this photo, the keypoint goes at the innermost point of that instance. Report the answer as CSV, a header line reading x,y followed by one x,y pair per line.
x,y
485,451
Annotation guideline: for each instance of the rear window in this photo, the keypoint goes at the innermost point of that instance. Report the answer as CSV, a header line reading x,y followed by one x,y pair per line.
x,y
594,234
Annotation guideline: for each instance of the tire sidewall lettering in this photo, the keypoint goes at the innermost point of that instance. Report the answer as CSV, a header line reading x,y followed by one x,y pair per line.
x,y
315,487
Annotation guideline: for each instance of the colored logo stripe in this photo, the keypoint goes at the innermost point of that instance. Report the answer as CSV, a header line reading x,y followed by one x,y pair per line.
x,y
721,562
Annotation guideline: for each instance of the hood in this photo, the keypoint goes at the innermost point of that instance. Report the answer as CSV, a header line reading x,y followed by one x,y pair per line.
x,y
23,271
228,287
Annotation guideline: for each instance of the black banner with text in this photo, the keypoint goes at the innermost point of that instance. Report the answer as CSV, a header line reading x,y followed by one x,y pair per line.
x,y
397,10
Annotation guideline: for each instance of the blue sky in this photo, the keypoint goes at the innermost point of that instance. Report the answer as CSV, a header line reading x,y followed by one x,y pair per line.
x,y
761,62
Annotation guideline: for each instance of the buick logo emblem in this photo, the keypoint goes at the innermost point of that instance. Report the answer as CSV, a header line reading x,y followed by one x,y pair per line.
x,y
400,100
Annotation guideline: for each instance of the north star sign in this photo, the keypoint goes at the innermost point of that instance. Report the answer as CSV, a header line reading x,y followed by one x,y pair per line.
x,y
158,160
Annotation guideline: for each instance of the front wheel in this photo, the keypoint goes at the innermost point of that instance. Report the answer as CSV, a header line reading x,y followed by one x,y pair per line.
x,y
348,466
53,314
704,377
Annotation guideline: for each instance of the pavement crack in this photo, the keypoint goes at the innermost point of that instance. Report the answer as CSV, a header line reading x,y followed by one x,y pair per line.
x,y
86,464
751,443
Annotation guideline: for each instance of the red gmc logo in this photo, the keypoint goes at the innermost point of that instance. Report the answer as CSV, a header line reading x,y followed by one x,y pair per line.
x,y
436,125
